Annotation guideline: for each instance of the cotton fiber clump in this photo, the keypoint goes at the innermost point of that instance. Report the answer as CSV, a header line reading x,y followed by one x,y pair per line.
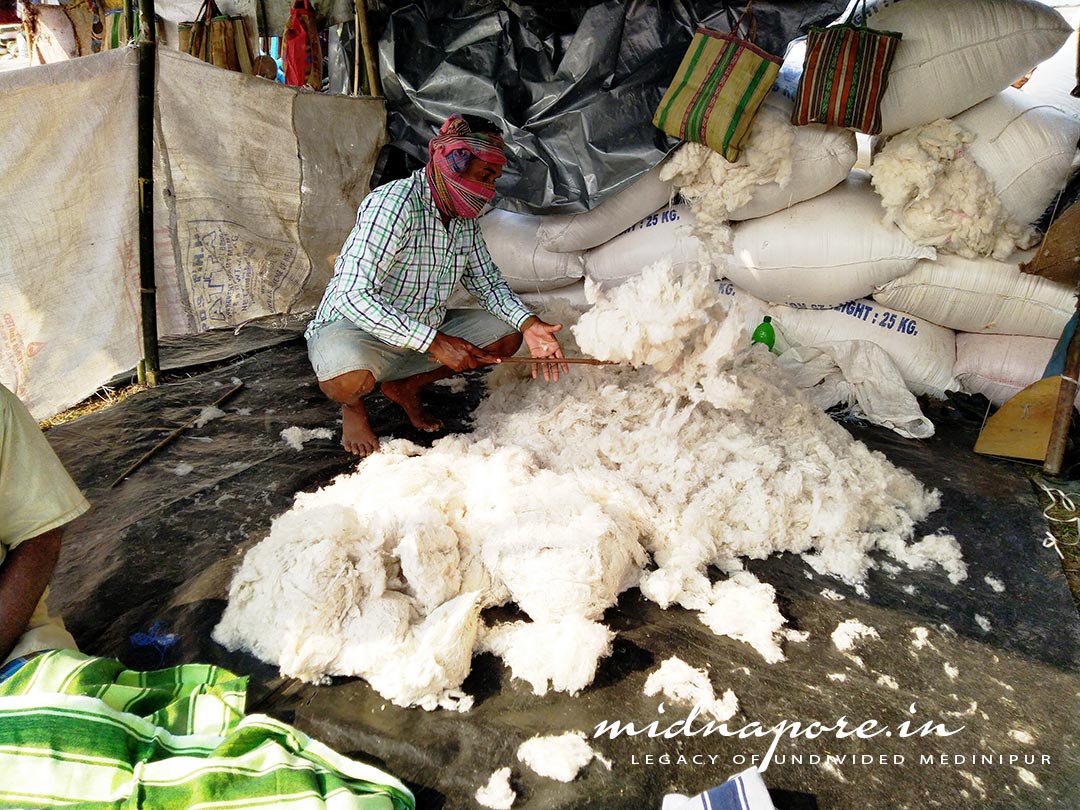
x,y
558,756
296,436
851,632
714,187
688,686
695,455
497,793
936,193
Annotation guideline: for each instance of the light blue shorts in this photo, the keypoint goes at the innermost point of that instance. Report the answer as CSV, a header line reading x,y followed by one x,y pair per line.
x,y
341,346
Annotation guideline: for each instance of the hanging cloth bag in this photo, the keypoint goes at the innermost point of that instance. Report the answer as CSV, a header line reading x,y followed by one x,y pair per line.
x,y
721,82
844,75
301,52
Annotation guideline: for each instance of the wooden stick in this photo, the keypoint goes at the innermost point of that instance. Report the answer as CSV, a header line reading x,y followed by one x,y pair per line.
x,y
586,361
171,437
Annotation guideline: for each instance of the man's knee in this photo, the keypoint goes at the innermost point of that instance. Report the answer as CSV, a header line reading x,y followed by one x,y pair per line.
x,y
350,387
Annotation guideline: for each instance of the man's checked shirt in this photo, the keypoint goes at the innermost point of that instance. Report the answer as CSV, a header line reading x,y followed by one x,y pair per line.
x,y
399,266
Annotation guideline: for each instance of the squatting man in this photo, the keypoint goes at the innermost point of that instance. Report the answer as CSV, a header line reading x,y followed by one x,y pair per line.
x,y
383,318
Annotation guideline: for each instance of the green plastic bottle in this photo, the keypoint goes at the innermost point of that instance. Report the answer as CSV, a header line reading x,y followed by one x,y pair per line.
x,y
764,333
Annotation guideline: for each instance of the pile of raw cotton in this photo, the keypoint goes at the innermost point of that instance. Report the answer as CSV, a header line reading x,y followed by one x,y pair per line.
x,y
937,194
695,454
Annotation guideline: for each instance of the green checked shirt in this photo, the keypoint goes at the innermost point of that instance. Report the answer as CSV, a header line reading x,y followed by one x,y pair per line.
x,y
399,266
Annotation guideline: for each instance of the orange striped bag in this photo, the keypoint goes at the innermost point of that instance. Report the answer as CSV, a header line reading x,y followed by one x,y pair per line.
x,y
718,88
844,75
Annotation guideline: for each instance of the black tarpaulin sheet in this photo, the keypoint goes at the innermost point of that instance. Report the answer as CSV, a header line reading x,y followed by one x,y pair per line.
x,y
155,555
573,85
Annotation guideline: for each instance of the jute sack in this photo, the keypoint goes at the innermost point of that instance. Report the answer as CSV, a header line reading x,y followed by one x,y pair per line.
x,y
823,251
982,295
923,352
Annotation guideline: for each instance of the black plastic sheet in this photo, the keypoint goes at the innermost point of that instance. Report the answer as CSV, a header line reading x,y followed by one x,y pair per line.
x,y
574,86
143,577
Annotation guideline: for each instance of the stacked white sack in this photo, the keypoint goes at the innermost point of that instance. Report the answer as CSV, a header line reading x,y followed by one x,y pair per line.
x,y
778,166
825,251
666,234
924,353
573,232
527,267
572,295
982,295
1000,366
954,55
1026,148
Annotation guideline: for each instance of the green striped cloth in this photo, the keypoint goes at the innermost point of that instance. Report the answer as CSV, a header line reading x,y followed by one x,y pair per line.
x,y
78,731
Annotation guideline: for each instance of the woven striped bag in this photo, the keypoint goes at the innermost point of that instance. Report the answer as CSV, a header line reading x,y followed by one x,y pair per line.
x,y
718,88
844,75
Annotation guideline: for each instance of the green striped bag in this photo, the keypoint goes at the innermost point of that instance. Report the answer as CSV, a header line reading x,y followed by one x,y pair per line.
x,y
718,88
844,75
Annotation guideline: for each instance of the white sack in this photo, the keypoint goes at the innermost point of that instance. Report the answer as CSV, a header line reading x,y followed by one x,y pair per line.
x,y
572,232
1025,147
862,376
513,240
936,193
779,165
924,353
955,54
825,251
1000,366
572,294
69,227
981,295
665,234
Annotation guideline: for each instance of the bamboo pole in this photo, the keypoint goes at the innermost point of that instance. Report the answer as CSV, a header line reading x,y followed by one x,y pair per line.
x,y
585,361
356,51
369,54
149,366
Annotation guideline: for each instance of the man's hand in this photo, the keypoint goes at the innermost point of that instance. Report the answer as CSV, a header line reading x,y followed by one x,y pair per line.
x,y
541,340
458,354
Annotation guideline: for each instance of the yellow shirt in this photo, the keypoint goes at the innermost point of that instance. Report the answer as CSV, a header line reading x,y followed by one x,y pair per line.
x,y
36,495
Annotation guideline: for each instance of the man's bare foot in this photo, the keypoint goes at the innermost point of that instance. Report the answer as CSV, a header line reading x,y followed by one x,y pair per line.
x,y
407,395
356,434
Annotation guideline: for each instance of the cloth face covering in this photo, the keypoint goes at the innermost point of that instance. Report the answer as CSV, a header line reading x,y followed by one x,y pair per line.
x,y
449,154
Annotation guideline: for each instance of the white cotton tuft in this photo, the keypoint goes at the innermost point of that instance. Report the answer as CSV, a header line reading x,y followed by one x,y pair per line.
x,y
560,655
295,436
559,756
850,633
208,414
688,686
497,793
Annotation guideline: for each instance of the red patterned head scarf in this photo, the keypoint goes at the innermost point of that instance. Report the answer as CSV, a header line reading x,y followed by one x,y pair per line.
x,y
450,152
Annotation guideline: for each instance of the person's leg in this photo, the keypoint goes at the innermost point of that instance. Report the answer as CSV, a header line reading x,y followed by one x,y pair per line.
x,y
349,390
348,363
406,392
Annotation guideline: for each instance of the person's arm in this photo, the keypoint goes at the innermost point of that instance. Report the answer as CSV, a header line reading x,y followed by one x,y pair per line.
x,y
24,575
483,279
381,234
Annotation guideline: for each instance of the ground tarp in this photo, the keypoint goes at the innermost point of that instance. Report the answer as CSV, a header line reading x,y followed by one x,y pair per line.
x,y
155,555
